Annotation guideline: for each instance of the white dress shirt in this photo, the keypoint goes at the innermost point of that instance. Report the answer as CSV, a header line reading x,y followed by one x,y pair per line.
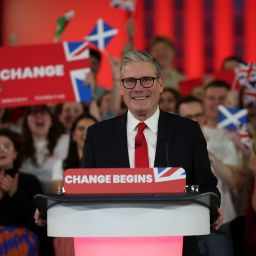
x,y
150,133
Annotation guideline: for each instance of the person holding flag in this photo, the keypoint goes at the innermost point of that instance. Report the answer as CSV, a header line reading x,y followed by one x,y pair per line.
x,y
223,153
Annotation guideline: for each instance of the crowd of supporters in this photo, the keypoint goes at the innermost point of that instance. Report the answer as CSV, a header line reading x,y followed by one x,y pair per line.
x,y
38,143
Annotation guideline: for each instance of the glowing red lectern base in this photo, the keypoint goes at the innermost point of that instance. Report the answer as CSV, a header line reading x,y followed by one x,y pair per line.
x,y
127,246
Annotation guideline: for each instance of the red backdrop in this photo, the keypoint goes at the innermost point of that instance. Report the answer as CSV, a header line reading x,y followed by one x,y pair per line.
x,y
205,31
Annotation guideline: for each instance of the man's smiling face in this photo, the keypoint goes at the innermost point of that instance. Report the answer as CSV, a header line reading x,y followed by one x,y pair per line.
x,y
142,102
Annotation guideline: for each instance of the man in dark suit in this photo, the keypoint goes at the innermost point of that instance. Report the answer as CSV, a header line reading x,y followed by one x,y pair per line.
x,y
171,140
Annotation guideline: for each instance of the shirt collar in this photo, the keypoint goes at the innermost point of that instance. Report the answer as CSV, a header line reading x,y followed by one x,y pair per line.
x,y
151,122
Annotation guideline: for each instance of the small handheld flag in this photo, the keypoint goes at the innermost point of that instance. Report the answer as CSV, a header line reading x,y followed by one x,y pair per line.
x,y
246,76
245,137
101,34
62,22
249,98
231,118
128,5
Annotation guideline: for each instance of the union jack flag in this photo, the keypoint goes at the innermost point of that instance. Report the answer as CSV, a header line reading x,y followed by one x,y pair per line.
x,y
246,75
169,173
249,98
244,136
231,118
82,91
76,50
128,5
101,34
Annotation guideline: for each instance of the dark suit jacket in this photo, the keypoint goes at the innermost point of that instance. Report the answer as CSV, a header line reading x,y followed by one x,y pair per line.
x,y
180,142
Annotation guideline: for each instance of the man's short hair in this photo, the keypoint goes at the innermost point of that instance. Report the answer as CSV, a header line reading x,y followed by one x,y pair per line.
x,y
232,58
135,55
187,100
218,84
161,39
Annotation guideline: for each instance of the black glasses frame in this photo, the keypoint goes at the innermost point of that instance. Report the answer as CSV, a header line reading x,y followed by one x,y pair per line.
x,y
135,80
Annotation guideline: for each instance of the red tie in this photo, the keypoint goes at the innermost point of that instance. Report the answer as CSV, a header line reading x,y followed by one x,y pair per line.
x,y
141,148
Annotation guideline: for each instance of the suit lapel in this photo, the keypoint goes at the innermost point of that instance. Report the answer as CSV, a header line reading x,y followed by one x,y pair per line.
x,y
120,150
166,131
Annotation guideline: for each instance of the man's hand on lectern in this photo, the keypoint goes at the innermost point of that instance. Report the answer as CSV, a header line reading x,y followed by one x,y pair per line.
x,y
39,220
218,223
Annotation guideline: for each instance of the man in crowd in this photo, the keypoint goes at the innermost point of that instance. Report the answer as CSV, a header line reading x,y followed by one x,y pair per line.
x,y
164,51
224,161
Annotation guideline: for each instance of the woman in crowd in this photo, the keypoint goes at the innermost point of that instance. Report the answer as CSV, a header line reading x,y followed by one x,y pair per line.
x,y
45,148
64,246
168,100
76,144
67,113
18,232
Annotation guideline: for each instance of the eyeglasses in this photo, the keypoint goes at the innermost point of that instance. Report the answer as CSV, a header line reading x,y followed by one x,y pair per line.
x,y
145,81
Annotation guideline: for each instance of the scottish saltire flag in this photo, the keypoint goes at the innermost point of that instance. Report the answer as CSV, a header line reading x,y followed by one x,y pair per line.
x,y
249,98
82,91
128,5
169,173
231,118
101,34
76,50
244,136
246,75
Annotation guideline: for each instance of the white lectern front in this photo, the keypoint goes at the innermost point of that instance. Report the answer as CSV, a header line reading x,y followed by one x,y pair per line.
x,y
149,225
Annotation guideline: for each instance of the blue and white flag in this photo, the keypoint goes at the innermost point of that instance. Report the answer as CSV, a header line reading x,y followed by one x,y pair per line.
x,y
231,118
101,34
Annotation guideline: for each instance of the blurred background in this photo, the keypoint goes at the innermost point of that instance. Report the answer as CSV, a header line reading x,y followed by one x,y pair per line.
x,y
204,31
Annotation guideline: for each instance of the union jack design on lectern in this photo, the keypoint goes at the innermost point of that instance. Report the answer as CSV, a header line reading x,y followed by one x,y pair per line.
x,y
169,173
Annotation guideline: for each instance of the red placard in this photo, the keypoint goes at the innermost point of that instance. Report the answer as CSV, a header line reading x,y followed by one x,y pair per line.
x,y
125,180
47,73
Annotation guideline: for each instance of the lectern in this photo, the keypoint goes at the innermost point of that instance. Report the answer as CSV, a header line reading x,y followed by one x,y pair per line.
x,y
150,224
127,211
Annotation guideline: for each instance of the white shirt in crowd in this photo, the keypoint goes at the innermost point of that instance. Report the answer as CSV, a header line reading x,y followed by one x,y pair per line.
x,y
49,168
220,144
